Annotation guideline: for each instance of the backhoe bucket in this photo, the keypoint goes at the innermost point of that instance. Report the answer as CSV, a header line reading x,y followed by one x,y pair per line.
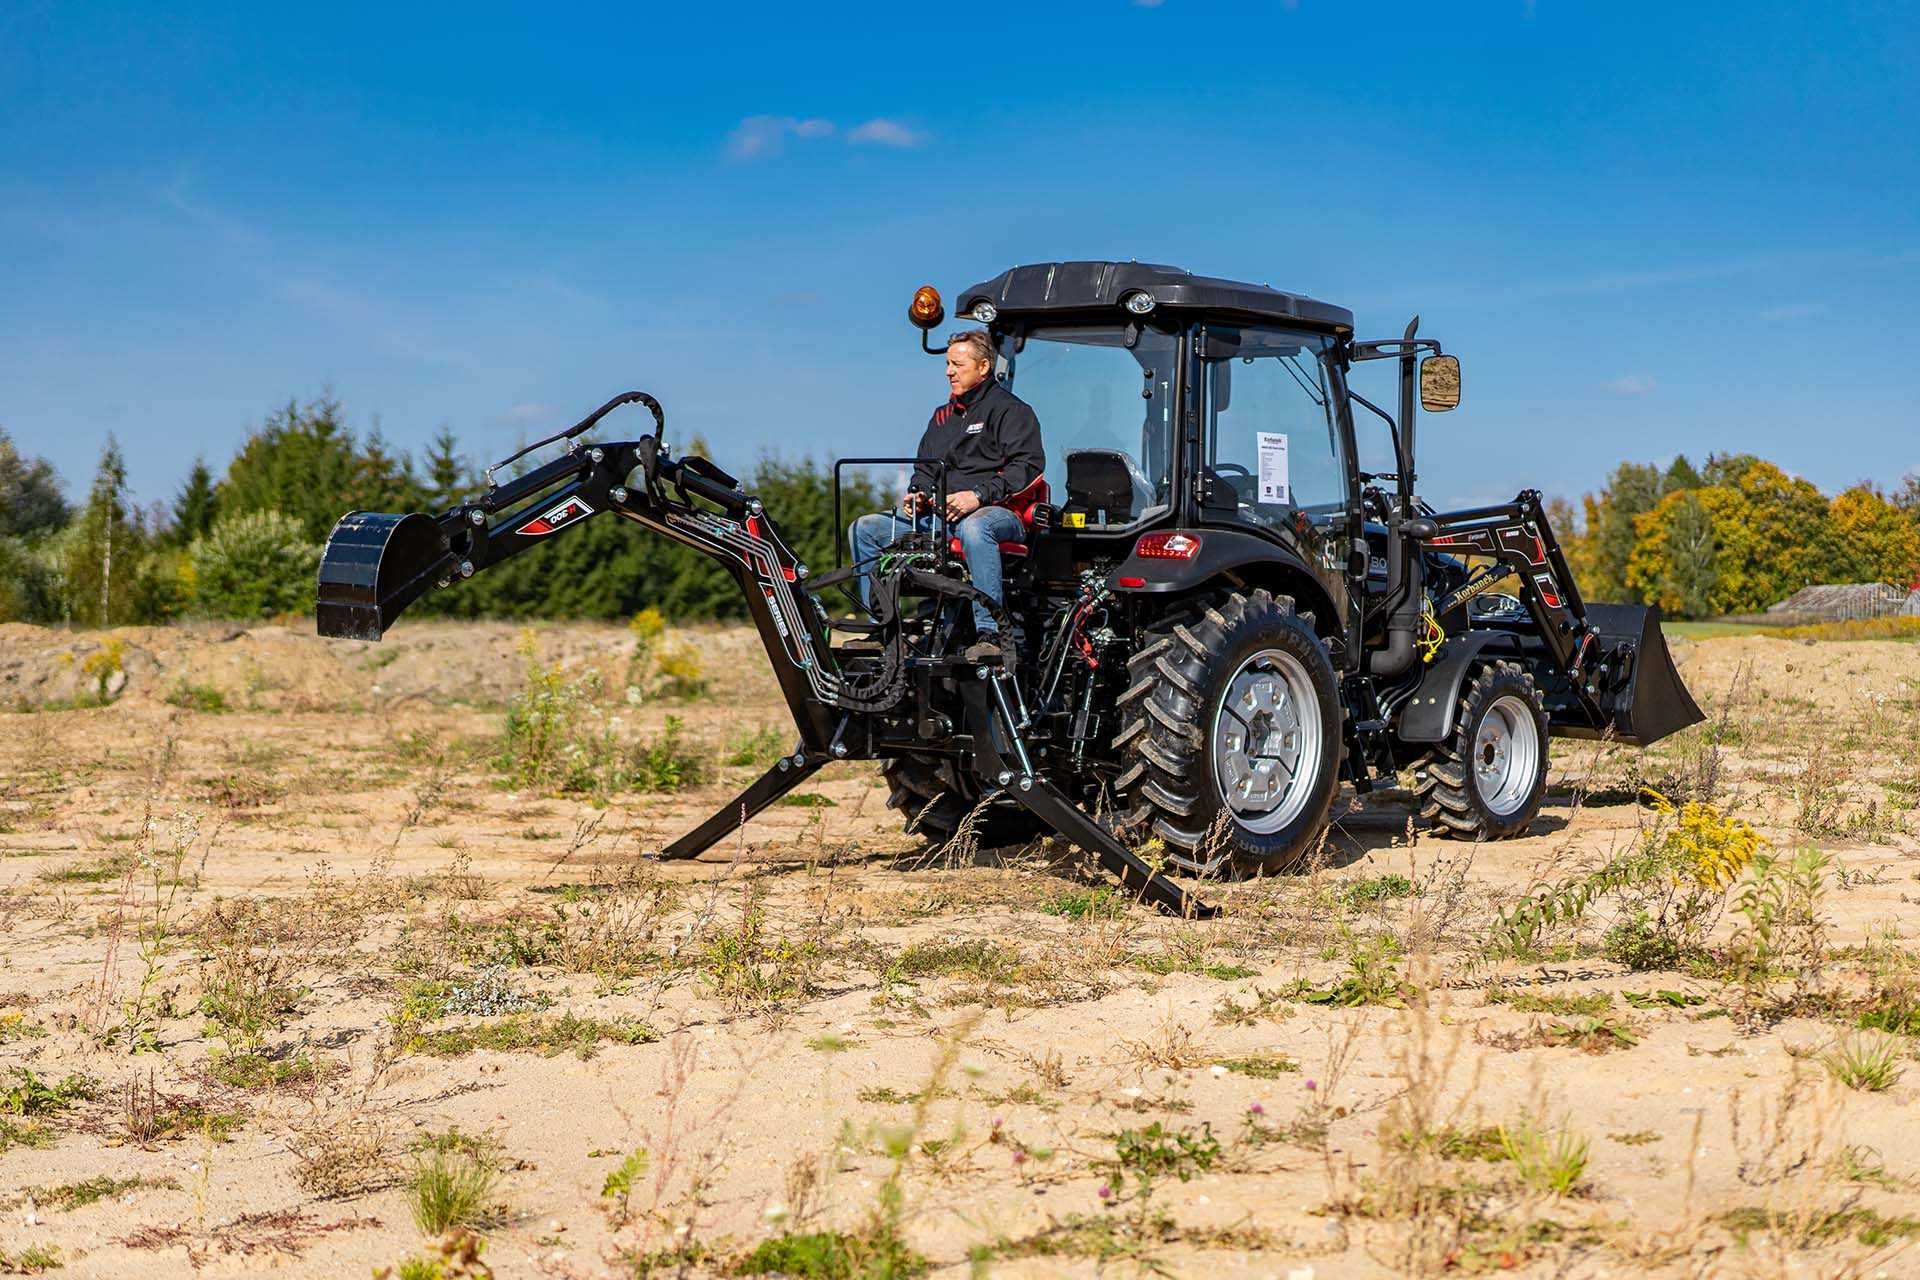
x,y
1641,691
374,566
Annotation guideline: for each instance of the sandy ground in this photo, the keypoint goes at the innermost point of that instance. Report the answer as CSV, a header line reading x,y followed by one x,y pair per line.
x,y
251,904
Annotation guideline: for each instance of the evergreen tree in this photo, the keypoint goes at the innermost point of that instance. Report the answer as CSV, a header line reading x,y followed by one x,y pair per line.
x,y
383,480
449,477
196,506
30,501
300,462
1681,475
104,548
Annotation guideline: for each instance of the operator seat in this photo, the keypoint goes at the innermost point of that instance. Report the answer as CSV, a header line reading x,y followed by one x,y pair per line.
x,y
1022,505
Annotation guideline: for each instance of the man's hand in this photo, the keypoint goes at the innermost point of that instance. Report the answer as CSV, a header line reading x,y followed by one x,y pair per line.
x,y
915,502
962,504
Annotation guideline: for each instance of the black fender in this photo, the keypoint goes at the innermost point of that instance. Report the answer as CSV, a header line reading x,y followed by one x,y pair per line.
x,y
1428,715
1229,551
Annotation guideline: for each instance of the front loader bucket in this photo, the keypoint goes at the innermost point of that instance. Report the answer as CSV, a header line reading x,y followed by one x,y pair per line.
x,y
1641,691
375,565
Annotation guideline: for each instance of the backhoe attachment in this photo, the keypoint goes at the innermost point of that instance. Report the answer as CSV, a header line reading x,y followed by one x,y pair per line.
x,y
375,565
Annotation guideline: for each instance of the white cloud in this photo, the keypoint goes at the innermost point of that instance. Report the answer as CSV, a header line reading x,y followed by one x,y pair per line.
x,y
758,136
761,137
525,414
1794,311
1632,384
886,133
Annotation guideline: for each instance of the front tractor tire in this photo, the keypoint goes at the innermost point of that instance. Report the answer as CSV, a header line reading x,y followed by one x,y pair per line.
x,y
1230,738
1487,780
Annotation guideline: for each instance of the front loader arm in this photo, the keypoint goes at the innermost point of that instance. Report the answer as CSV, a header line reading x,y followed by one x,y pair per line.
x,y
1610,659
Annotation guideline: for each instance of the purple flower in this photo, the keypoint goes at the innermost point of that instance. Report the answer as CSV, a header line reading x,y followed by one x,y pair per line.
x,y
1311,1086
1257,1109
1106,1192
1019,1158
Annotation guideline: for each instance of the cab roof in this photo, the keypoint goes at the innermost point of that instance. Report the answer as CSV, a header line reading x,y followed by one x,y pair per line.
x,y
1049,287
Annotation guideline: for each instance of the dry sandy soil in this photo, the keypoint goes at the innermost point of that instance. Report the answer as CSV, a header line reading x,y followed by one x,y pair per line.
x,y
285,941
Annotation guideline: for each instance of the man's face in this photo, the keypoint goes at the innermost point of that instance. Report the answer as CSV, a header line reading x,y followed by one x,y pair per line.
x,y
964,373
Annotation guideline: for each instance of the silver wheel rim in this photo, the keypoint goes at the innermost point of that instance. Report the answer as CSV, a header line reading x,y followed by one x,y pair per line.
x,y
1266,741
1506,755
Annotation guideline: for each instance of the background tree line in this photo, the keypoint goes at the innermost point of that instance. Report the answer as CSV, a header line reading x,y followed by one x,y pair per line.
x,y
1732,536
245,542
1735,535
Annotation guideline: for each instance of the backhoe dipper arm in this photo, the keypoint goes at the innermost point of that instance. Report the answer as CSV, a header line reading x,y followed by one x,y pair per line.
x,y
376,564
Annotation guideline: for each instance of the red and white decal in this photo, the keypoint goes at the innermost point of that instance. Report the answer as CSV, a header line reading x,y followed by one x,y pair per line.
x,y
565,514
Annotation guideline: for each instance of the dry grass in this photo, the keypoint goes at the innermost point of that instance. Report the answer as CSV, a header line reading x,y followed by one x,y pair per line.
x,y
1410,1055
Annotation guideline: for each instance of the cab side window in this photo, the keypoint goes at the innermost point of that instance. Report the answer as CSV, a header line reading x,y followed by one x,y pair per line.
x,y
1272,448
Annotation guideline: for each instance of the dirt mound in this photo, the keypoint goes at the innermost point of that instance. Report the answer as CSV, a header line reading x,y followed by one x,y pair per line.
x,y
278,668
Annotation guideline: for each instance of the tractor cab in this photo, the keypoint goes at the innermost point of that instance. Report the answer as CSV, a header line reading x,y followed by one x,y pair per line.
x,y
1190,423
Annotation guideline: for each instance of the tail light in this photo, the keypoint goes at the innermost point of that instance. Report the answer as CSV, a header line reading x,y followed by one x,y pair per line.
x,y
1167,546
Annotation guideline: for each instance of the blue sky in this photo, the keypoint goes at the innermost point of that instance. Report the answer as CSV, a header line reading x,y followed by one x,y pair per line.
x,y
1645,228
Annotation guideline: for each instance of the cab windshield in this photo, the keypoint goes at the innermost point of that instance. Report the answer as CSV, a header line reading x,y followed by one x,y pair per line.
x,y
1106,418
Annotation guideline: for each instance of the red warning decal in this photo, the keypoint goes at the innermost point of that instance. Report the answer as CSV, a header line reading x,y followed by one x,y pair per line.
x,y
565,514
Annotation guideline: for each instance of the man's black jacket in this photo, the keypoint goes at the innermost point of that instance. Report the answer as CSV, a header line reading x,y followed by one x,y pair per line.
x,y
990,441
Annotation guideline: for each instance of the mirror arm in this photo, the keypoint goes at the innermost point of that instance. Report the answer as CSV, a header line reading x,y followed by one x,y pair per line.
x,y
1393,348
1399,456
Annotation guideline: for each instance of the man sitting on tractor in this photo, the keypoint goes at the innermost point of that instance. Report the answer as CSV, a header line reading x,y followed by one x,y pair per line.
x,y
990,442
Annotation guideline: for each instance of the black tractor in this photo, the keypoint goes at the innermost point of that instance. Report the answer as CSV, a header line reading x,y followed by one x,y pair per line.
x,y
1217,616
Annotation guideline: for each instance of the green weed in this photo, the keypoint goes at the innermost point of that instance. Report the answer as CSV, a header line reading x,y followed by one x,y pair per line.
x,y
29,1095
257,1071
1547,1161
1373,889
452,1189
834,1255
1159,1152
620,1182
1565,1004
30,1261
545,1036
1086,904
204,698
1868,1063
760,747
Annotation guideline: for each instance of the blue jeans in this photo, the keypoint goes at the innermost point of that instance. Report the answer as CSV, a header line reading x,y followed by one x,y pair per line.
x,y
981,532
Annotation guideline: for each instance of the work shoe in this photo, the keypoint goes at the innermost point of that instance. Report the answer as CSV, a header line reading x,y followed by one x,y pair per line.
x,y
984,649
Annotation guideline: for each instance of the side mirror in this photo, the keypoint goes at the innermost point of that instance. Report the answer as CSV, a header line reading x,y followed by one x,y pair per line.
x,y
926,310
1440,383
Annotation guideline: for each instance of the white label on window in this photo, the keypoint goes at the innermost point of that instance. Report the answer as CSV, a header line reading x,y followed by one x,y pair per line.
x,y
1273,467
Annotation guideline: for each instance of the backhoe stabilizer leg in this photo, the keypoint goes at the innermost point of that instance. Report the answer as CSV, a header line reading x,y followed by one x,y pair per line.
x,y
1051,805
990,708
786,774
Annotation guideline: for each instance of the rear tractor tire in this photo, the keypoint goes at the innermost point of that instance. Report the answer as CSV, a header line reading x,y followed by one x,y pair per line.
x,y
1230,735
935,796
1487,780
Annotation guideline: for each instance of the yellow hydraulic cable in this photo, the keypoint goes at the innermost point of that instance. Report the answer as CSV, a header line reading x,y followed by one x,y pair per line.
x,y
1432,636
